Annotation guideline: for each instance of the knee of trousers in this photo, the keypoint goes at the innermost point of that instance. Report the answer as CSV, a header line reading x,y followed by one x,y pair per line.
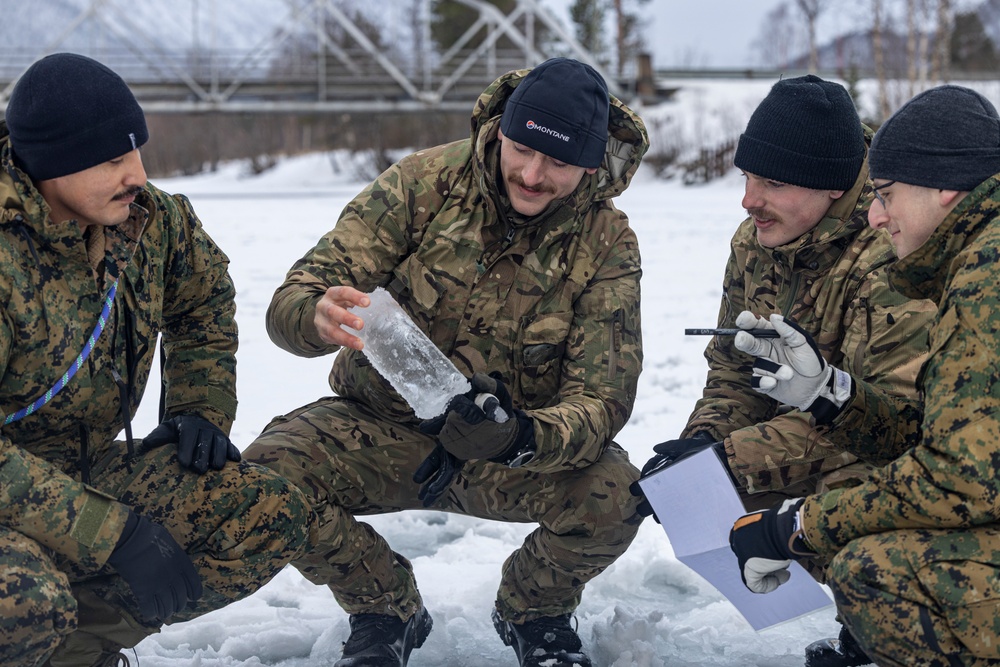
x,y
596,500
847,573
37,607
272,510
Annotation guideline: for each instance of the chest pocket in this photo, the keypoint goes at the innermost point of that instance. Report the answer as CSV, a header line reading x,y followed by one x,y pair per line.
x,y
539,354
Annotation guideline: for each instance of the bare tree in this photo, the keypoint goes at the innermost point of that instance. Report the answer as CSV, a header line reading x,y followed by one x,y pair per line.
x,y
917,44
878,52
628,39
811,9
777,37
941,62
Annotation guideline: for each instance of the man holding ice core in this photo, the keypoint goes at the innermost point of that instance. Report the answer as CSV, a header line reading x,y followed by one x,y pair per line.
x,y
506,250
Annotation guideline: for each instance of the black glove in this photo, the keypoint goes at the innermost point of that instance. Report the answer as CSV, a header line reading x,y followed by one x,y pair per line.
x,y
156,568
766,543
667,454
468,430
435,475
200,443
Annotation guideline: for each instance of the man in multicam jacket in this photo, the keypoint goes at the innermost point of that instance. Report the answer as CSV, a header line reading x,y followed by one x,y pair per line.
x,y
915,550
507,251
102,541
807,253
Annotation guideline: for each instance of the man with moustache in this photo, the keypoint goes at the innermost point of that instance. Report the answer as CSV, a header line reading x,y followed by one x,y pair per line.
x,y
915,550
506,249
102,541
807,253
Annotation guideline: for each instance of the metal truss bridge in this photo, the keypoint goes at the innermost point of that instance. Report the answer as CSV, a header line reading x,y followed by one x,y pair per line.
x,y
314,56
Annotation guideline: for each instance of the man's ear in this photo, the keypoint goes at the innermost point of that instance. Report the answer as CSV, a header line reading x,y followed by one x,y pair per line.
x,y
948,198
837,194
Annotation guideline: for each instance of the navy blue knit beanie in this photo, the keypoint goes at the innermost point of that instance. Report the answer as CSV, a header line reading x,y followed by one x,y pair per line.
x,y
806,132
946,137
561,109
68,113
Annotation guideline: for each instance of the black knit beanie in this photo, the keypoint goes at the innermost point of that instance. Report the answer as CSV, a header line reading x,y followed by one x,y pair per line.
x,y
68,113
806,132
561,109
946,137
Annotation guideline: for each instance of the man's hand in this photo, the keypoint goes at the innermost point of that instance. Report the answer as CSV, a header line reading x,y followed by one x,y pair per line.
x,y
668,453
766,542
791,370
331,313
435,475
200,443
156,568
466,432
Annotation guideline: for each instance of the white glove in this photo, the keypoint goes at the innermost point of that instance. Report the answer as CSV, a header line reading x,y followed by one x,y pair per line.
x,y
764,575
791,370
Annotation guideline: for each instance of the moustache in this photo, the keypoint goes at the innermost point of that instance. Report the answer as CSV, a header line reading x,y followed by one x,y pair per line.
x,y
516,180
762,214
131,192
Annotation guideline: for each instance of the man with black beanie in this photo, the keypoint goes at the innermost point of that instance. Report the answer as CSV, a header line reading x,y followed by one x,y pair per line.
x,y
102,541
915,550
805,253
507,250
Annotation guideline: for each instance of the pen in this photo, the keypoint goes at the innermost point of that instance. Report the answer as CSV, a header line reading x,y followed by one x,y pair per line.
x,y
757,333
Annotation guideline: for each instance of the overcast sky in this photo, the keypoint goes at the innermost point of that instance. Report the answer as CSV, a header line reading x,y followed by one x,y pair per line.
x,y
720,33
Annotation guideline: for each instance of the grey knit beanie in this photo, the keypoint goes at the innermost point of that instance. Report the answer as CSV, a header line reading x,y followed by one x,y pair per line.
x,y
946,137
806,132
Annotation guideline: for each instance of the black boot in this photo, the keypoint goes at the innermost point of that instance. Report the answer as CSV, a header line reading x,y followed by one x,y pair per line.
x,y
382,640
841,652
548,641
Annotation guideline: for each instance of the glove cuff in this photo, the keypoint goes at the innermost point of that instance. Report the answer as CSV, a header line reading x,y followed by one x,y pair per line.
x,y
522,449
833,395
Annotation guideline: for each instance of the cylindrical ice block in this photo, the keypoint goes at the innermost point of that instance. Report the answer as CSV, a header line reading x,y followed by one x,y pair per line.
x,y
405,356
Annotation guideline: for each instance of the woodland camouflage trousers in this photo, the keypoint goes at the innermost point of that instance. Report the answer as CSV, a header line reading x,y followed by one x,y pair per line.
x,y
922,597
240,525
351,462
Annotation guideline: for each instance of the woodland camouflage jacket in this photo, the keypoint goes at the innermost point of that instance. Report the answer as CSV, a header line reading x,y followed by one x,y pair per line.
x,y
172,279
551,302
832,281
949,480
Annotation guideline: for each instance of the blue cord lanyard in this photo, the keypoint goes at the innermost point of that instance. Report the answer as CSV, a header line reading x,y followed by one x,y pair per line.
x,y
102,321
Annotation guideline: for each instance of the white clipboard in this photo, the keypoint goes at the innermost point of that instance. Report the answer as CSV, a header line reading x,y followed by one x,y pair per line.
x,y
697,505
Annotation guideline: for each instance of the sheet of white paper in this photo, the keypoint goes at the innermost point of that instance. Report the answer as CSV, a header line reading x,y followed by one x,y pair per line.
x,y
697,505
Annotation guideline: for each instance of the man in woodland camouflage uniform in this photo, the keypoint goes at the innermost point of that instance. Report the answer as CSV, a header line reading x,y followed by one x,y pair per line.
x,y
507,251
915,550
102,541
806,252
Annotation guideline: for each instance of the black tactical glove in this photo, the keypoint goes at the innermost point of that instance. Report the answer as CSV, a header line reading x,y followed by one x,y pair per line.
x,y
468,431
200,443
668,453
435,475
766,543
156,568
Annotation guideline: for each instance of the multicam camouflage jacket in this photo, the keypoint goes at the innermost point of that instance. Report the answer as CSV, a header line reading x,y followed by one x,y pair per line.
x,y
172,279
551,302
832,281
949,480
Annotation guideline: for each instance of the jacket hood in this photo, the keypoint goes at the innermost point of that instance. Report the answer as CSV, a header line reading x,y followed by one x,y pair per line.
x,y
627,138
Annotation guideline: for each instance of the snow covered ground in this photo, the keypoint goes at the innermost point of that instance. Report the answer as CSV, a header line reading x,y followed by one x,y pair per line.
x,y
647,610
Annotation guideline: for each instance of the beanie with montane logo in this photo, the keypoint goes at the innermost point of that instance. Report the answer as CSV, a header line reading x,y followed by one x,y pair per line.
x,y
561,109
68,113
946,138
806,132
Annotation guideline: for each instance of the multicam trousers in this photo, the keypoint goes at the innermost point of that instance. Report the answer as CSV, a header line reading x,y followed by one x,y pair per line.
x,y
351,462
240,525
922,597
